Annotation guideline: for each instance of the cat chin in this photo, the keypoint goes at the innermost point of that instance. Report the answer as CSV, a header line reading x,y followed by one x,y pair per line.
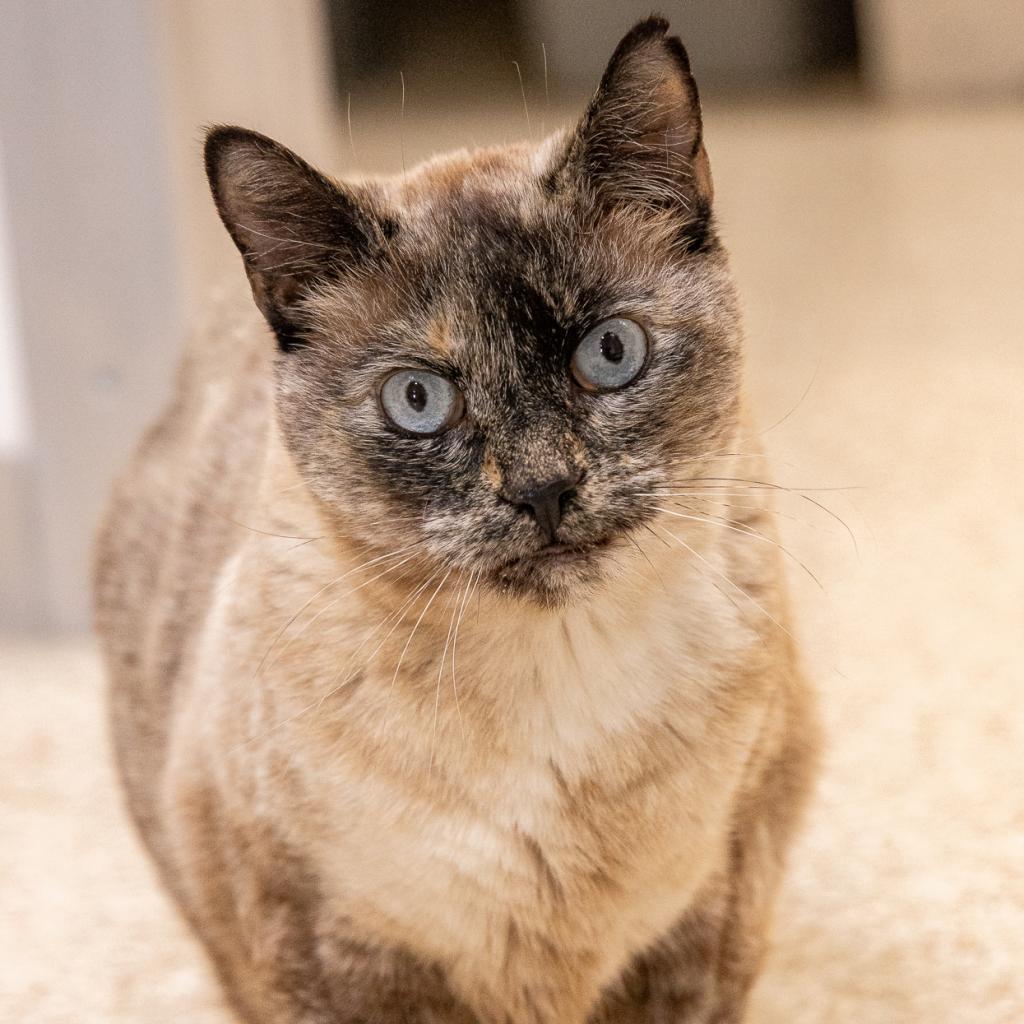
x,y
553,577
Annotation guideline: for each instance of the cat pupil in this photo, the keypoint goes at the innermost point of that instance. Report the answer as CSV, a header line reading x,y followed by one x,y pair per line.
x,y
611,347
416,395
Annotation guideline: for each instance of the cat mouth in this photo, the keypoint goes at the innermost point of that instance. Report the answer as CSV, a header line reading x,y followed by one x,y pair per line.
x,y
555,554
563,552
554,573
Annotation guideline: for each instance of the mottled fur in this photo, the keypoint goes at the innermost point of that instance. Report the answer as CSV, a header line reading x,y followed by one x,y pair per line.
x,y
394,765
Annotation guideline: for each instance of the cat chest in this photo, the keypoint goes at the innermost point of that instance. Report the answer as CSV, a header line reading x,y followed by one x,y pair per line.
x,y
534,880
547,863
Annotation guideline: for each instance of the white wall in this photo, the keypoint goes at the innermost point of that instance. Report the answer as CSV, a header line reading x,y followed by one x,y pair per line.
x,y
20,604
94,274
14,427
111,235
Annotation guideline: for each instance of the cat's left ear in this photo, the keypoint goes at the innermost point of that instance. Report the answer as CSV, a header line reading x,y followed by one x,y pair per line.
x,y
641,138
294,227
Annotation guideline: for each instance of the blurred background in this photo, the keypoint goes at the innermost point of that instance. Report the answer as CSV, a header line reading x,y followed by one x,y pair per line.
x,y
109,243
869,164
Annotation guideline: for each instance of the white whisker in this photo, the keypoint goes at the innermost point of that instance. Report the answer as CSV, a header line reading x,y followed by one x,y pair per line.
x,y
323,589
746,532
333,602
522,90
412,633
474,580
768,615
454,605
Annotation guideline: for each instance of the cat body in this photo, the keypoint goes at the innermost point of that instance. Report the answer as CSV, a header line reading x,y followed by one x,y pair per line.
x,y
395,762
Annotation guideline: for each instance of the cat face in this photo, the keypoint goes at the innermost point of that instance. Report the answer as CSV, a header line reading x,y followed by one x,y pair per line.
x,y
491,362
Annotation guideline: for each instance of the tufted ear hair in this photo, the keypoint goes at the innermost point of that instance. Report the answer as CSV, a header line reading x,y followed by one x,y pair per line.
x,y
640,140
293,226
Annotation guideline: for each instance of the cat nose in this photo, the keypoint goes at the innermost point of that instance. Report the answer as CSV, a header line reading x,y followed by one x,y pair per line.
x,y
546,500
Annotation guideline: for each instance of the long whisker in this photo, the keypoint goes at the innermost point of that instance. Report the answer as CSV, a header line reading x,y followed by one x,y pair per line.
x,y
522,90
768,484
327,586
646,558
547,96
335,689
744,531
653,534
696,496
351,137
291,487
721,455
398,617
333,602
801,399
474,580
412,633
401,123
725,593
454,605
263,533
303,543
755,485
768,615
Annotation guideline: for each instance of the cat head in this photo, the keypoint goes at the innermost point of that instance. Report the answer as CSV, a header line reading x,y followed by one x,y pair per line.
x,y
495,359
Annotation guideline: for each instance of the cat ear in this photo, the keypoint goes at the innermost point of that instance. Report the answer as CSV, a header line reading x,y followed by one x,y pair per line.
x,y
640,140
293,226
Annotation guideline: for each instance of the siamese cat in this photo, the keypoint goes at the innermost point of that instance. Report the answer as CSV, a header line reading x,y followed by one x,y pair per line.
x,y
450,681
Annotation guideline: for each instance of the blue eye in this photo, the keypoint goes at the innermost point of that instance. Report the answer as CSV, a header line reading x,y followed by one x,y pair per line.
x,y
421,402
610,356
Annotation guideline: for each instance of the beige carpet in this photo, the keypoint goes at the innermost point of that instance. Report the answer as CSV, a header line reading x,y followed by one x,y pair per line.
x,y
889,247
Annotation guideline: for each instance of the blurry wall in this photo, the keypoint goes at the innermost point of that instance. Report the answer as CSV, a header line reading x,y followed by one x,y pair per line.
x,y
13,414
113,241
93,275
944,49
19,598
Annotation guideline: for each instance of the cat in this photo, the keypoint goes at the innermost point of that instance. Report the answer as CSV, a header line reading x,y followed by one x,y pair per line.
x,y
448,685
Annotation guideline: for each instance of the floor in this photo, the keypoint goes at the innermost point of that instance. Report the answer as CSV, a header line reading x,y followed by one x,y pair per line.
x,y
881,259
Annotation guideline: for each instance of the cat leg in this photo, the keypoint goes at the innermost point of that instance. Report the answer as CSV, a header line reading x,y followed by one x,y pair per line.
x,y
678,980
344,981
285,962
702,971
282,954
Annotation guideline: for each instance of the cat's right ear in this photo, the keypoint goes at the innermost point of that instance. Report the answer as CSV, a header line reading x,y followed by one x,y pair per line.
x,y
294,227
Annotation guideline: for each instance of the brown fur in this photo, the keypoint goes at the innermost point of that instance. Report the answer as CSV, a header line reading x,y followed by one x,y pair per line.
x,y
383,783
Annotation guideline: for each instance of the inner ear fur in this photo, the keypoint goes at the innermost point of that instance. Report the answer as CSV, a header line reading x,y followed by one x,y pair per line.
x,y
293,226
640,140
